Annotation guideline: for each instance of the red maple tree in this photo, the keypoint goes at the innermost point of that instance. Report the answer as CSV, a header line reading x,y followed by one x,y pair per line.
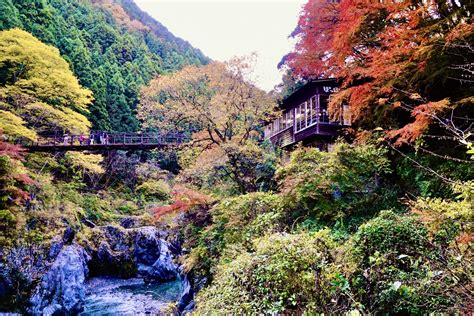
x,y
13,180
184,200
394,56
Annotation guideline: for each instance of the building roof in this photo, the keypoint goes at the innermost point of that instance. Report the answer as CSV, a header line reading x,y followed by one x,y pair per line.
x,y
304,90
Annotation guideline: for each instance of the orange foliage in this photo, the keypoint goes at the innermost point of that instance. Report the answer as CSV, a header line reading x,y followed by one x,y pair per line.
x,y
121,15
184,200
465,238
424,115
12,179
382,51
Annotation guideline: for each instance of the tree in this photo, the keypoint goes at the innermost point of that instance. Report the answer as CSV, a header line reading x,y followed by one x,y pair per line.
x,y
8,15
91,34
13,175
404,63
37,87
221,111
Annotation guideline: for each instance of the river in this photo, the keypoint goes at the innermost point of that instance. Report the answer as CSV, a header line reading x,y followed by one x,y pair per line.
x,y
112,296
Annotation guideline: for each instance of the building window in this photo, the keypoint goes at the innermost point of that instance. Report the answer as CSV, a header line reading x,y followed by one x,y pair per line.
x,y
314,110
288,118
280,124
302,111
323,108
298,118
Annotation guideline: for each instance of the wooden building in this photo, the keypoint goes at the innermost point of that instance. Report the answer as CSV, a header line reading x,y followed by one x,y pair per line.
x,y
305,118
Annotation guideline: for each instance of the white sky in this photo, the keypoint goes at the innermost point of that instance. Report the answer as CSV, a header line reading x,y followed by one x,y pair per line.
x,y
225,28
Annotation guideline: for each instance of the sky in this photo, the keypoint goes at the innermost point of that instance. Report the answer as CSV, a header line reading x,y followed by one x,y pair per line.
x,y
222,29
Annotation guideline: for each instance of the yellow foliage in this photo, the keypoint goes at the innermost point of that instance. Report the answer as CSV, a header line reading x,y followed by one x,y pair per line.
x,y
46,118
215,97
36,69
87,162
14,126
38,86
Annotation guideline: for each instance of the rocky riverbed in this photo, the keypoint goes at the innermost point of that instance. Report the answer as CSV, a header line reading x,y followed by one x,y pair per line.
x,y
116,270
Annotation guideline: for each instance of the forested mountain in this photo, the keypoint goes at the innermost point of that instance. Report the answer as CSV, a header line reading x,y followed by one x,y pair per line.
x,y
112,47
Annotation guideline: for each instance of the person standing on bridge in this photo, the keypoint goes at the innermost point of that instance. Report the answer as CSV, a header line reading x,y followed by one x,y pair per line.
x,y
66,139
91,139
81,139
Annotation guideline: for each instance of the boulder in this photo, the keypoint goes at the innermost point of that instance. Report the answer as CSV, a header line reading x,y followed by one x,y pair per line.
x,y
69,234
128,222
55,248
113,253
152,256
186,301
146,245
163,269
62,287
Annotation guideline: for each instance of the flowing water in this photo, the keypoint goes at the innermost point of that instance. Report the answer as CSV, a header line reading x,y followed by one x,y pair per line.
x,y
112,296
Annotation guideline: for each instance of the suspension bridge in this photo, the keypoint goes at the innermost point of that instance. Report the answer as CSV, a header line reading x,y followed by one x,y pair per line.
x,y
97,141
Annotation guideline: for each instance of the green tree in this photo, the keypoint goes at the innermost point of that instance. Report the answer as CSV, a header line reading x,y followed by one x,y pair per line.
x,y
8,15
37,85
90,35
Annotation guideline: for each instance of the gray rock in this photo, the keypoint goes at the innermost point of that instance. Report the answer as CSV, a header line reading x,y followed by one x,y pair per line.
x,y
62,288
153,257
69,234
164,269
56,246
105,255
117,238
146,245
128,222
186,302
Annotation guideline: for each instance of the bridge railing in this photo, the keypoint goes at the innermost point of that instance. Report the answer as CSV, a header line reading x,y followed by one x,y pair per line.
x,y
107,138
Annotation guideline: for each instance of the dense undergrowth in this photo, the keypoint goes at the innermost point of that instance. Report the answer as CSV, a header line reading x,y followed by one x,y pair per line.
x,y
341,234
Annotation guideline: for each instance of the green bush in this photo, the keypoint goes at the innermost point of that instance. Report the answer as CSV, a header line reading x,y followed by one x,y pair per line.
x,y
154,190
400,270
391,233
236,223
128,208
280,276
335,185
97,208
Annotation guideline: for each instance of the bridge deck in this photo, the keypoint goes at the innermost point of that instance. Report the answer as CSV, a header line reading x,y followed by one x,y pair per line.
x,y
105,141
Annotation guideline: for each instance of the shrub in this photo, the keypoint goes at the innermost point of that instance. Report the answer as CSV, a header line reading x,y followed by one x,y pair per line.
x,y
236,223
280,276
155,189
402,271
128,208
391,233
338,184
96,208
